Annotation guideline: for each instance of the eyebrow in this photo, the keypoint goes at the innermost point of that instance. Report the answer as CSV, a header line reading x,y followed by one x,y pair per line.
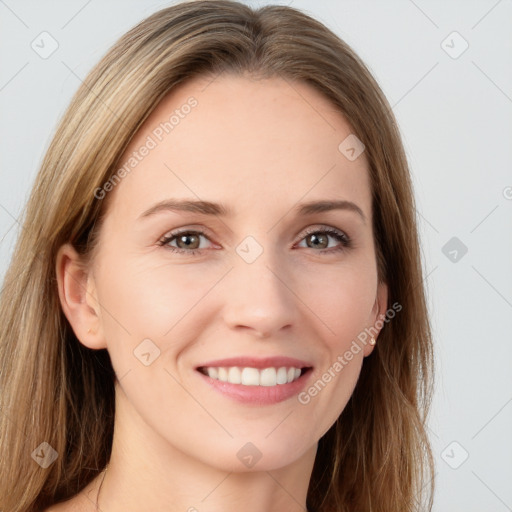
x,y
210,208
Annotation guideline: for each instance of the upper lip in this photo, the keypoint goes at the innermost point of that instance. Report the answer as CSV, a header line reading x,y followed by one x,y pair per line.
x,y
255,362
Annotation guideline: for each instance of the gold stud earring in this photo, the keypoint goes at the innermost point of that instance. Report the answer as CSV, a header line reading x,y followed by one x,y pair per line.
x,y
373,341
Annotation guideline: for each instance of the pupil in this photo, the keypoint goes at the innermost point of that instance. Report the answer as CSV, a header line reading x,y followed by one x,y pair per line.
x,y
319,239
184,238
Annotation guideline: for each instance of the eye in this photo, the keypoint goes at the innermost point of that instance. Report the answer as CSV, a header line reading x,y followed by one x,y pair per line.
x,y
319,238
188,242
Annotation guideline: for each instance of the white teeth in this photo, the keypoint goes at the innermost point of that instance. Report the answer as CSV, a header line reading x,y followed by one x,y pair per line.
x,y
250,377
282,376
234,375
268,377
253,376
213,373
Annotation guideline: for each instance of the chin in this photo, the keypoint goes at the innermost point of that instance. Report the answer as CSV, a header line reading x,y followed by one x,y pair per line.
x,y
244,456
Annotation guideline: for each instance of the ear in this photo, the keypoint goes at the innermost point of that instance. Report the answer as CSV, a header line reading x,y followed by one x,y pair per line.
x,y
378,315
77,294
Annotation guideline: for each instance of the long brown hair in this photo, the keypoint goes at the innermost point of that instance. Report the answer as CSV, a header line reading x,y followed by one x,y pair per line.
x,y
377,456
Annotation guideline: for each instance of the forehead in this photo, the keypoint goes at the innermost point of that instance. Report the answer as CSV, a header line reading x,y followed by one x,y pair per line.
x,y
244,142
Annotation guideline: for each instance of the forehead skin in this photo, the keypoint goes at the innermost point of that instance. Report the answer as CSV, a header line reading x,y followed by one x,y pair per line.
x,y
257,145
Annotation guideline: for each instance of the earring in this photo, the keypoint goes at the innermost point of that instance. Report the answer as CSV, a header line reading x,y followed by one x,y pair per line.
x,y
373,341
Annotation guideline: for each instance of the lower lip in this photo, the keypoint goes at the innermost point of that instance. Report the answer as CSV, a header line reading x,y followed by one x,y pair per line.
x,y
258,395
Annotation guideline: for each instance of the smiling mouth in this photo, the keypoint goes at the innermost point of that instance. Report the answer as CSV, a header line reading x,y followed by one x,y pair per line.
x,y
248,376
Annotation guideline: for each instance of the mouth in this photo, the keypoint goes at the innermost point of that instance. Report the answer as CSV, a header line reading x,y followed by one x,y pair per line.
x,y
248,376
256,381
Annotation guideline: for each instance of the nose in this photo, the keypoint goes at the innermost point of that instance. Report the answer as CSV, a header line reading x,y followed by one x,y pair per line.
x,y
259,298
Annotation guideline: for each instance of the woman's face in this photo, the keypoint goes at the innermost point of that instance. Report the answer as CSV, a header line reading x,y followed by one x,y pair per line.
x,y
256,285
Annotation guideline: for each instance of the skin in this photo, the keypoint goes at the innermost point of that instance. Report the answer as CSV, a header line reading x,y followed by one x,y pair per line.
x,y
259,147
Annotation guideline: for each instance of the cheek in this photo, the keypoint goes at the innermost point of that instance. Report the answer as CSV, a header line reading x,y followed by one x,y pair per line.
x,y
342,299
343,306
150,300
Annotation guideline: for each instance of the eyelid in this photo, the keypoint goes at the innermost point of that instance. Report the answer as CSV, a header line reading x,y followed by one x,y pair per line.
x,y
321,227
196,228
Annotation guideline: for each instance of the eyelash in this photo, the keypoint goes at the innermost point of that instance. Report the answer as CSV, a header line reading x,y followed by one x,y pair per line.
x,y
346,242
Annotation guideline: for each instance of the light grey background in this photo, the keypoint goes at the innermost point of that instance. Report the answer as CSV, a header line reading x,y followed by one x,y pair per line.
x,y
456,118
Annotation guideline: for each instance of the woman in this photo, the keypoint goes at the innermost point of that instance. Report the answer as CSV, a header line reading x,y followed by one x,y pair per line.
x,y
216,300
